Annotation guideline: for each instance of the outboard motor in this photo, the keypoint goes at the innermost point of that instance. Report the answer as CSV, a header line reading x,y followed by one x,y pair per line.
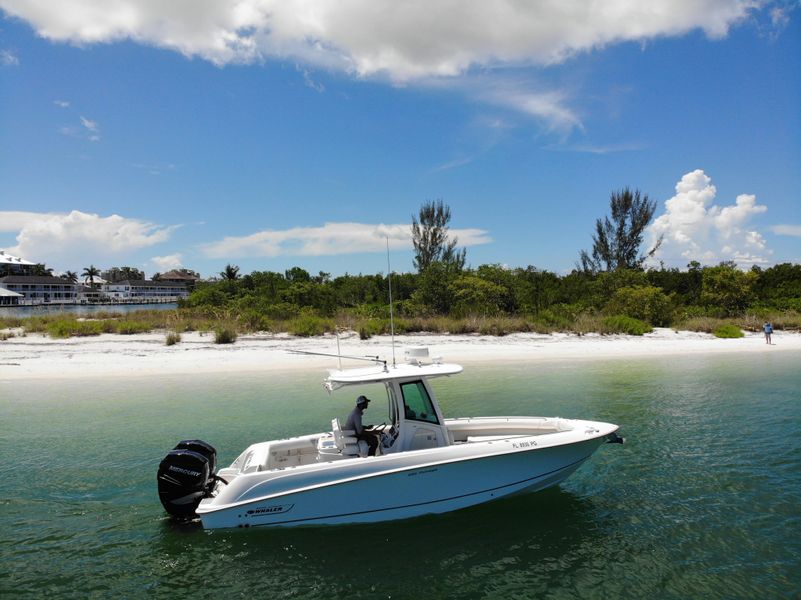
x,y
186,476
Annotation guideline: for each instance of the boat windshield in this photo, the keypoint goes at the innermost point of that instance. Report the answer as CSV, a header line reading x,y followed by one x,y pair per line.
x,y
416,402
379,411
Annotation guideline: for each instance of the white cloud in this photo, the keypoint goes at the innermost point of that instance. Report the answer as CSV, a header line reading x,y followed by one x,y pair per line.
x,y
413,40
405,40
8,58
328,240
168,262
792,230
70,241
89,125
695,229
61,103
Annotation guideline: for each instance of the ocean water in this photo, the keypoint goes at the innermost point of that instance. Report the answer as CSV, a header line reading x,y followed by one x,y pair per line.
x,y
703,501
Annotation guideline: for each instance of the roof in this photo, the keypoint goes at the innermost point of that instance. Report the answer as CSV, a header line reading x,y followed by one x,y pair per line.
x,y
338,378
173,275
35,279
148,283
7,259
9,293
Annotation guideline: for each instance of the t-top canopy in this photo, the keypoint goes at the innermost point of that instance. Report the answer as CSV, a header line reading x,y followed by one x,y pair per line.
x,y
339,378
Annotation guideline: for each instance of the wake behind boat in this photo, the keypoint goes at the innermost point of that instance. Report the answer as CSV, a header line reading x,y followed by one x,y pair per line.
x,y
424,463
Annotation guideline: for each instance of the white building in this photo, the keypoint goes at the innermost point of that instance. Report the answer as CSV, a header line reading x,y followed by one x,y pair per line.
x,y
145,291
36,289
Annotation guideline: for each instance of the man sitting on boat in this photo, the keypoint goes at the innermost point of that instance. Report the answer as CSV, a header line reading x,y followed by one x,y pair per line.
x,y
354,423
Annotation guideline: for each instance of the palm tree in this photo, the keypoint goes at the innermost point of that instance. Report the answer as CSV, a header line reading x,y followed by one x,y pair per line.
x,y
91,272
71,276
231,272
41,270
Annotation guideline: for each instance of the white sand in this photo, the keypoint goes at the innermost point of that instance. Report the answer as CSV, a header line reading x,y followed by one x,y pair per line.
x,y
36,356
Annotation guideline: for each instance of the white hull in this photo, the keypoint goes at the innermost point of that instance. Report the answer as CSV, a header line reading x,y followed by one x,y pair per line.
x,y
404,485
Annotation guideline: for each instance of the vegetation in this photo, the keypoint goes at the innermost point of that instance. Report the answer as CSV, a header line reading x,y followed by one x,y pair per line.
x,y
609,293
172,338
728,331
224,335
431,240
90,273
616,242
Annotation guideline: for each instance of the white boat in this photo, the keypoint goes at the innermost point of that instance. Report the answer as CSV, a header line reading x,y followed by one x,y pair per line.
x,y
426,463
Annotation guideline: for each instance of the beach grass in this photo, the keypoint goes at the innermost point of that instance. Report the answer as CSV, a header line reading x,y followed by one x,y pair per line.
x,y
307,324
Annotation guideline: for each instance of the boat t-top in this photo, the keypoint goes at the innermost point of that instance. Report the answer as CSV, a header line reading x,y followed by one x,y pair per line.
x,y
425,463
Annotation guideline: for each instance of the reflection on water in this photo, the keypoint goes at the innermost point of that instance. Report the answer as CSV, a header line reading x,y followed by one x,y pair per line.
x,y
701,502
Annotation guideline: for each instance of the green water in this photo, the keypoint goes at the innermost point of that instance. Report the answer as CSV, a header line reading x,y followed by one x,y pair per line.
x,y
704,501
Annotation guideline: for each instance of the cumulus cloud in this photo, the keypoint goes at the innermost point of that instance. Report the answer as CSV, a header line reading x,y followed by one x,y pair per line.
x,y
168,262
328,240
696,229
69,241
404,41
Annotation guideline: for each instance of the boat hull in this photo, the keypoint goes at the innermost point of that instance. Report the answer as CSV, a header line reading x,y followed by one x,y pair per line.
x,y
399,486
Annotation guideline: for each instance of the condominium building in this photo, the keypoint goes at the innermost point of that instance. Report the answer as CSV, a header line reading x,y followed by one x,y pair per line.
x,y
35,289
144,290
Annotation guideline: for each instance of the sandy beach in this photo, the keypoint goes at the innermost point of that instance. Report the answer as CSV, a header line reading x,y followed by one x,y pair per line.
x,y
36,356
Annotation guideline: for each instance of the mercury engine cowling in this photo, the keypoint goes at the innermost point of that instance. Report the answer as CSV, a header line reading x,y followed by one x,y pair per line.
x,y
186,476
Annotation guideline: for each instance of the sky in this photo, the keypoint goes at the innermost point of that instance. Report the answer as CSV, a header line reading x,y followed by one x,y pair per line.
x,y
271,134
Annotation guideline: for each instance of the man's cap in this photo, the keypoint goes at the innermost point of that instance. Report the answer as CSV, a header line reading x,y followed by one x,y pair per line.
x,y
362,400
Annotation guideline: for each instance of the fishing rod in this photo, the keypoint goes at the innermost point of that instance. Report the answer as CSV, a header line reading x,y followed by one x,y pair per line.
x,y
373,359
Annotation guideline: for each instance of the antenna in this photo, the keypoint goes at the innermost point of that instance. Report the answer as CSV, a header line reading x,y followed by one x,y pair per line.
x,y
339,352
391,317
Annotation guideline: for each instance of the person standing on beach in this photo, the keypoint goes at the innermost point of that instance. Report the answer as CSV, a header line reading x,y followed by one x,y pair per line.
x,y
768,329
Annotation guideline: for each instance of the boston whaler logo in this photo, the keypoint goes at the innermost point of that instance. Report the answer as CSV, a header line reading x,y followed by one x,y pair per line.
x,y
269,510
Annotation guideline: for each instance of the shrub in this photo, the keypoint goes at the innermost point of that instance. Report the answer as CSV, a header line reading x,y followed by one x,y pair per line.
x,y
623,324
224,335
645,303
64,328
173,337
132,327
308,325
728,331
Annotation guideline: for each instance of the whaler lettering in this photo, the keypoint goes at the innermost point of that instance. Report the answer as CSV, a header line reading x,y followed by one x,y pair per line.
x,y
269,510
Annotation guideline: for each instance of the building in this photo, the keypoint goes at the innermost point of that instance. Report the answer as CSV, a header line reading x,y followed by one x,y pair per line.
x,y
13,265
116,274
36,289
140,290
185,276
9,298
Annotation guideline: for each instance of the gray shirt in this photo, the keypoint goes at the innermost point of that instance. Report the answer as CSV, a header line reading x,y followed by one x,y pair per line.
x,y
354,422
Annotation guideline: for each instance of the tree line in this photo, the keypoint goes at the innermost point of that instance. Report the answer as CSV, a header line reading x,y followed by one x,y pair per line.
x,y
609,280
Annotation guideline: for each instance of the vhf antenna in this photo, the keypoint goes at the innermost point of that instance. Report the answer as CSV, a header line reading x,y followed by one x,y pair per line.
x,y
391,317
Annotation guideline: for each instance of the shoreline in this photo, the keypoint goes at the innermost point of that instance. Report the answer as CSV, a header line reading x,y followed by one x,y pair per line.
x,y
36,356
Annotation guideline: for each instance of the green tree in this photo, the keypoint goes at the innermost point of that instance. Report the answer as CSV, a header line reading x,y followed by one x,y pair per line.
x,y
726,289
71,276
476,296
41,270
646,303
90,273
431,240
616,241
230,273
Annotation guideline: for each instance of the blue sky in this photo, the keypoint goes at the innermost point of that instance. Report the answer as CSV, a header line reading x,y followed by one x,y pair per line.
x,y
277,134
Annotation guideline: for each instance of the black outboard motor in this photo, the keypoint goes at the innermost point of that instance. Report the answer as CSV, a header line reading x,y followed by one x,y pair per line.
x,y
186,476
